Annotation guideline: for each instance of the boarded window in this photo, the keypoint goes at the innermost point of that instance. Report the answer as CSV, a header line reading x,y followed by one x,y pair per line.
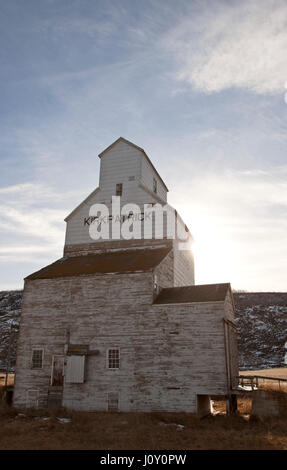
x,y
113,401
75,370
119,189
113,358
37,359
32,399
154,185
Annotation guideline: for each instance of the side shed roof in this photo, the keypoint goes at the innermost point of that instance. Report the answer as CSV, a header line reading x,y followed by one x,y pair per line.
x,y
109,262
190,294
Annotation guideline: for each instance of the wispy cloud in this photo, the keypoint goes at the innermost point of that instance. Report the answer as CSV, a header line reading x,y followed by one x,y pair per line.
x,y
85,26
35,193
78,75
32,222
232,44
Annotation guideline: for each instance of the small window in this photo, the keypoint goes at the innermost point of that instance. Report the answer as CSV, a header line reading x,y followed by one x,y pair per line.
x,y
37,359
113,358
119,189
113,401
154,185
32,399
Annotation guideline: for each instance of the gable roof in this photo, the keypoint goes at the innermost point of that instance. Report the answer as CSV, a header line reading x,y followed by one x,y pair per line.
x,y
109,262
122,139
190,294
82,203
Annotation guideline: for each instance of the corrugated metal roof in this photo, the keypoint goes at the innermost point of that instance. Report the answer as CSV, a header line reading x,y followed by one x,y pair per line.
x,y
189,294
110,262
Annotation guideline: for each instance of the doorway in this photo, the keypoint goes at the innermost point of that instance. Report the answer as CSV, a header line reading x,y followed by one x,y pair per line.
x,y
57,375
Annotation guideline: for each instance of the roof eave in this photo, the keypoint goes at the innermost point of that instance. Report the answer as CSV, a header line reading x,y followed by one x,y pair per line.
x,y
122,139
81,204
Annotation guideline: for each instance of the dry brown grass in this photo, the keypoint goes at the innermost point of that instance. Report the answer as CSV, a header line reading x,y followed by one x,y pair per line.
x,y
278,372
273,387
269,383
10,379
244,405
154,431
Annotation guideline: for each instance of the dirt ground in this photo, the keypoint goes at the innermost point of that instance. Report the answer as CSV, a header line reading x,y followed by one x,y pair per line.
x,y
139,431
60,430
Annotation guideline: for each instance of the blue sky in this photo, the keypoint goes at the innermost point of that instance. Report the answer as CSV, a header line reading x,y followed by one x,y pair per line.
x,y
199,85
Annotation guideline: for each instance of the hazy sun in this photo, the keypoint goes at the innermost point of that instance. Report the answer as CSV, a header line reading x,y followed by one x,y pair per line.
x,y
211,248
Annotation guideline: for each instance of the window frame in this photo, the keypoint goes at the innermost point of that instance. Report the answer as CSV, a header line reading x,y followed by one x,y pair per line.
x,y
42,358
27,403
119,189
118,402
154,185
113,359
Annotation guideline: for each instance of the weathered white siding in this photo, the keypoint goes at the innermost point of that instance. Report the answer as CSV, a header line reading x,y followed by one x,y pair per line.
x,y
231,340
117,166
168,353
123,164
147,176
183,266
165,271
77,231
115,245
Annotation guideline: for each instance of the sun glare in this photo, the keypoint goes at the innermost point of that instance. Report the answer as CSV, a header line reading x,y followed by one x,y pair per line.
x,y
211,248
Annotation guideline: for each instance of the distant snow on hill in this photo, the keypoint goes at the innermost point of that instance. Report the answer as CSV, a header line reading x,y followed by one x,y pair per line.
x,y
10,311
262,329
261,320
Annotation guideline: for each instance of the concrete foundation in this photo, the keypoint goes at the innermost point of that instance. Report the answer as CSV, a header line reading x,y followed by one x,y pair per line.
x,y
269,403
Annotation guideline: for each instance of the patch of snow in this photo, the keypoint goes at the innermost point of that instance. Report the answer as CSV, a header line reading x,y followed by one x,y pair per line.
x,y
180,427
20,415
246,388
64,420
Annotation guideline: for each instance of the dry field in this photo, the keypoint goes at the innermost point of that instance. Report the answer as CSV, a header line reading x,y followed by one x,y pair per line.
x,y
269,383
10,379
278,372
139,431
